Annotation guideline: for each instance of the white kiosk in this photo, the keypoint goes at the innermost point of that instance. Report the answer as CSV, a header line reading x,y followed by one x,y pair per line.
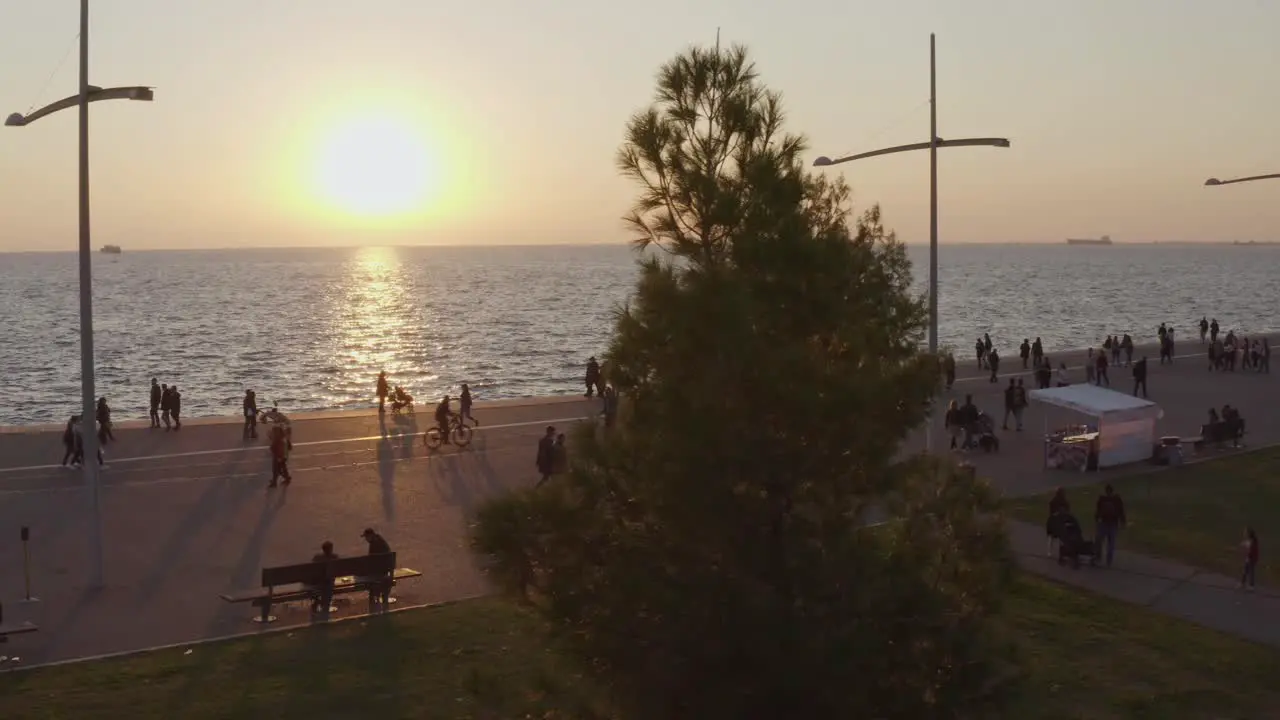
x,y
1124,429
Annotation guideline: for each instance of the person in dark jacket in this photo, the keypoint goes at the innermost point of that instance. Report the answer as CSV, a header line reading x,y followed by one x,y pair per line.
x,y
546,461
1109,516
175,407
250,415
103,413
324,593
1140,376
1058,507
154,413
379,587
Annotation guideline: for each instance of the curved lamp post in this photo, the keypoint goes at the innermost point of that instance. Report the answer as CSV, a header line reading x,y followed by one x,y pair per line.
x,y
88,93
932,146
1213,182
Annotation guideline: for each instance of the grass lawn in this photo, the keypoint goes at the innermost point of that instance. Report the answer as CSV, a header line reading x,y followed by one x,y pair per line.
x,y
1084,656
1193,513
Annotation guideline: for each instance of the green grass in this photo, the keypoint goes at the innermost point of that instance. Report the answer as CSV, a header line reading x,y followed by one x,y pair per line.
x,y
1194,513
1084,656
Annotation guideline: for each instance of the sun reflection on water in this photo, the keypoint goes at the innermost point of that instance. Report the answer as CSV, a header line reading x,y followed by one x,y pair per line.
x,y
379,322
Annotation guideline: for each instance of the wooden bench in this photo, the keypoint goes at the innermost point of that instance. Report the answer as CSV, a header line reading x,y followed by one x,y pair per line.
x,y
14,628
321,581
1217,434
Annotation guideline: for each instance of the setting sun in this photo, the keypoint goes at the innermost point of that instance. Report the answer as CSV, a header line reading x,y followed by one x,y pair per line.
x,y
376,167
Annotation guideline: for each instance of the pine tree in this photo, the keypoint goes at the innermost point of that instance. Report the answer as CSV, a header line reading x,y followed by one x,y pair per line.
x,y
710,556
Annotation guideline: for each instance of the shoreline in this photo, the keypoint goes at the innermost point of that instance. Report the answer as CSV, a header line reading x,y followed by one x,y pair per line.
x,y
966,371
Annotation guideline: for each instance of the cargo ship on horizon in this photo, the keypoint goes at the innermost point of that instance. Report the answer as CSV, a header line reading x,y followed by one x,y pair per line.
x,y
1104,240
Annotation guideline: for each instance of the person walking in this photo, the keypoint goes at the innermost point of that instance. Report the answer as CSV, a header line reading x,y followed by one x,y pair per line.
x,y
69,442
154,413
383,389
1008,404
1249,578
166,402
592,376
77,458
175,407
545,461
1140,377
103,413
281,444
250,415
1020,402
1110,517
464,405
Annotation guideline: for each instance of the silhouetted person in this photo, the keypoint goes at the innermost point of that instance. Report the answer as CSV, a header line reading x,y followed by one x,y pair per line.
x,y
1037,352
103,413
610,411
379,587
1140,376
383,390
325,590
949,369
77,429
154,413
166,404
175,407
545,461
464,405
592,377
250,414
1024,351
69,441
1204,328
281,444
1110,517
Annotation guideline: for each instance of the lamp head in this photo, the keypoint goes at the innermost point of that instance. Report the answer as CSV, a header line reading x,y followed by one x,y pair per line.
x,y
823,161
144,94
1213,181
15,120
1002,143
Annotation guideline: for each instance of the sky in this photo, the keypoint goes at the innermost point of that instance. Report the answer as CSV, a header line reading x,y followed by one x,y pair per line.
x,y
500,119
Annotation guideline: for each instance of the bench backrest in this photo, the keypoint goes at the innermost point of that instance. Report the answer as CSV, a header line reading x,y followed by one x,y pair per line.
x,y
316,573
309,573
363,565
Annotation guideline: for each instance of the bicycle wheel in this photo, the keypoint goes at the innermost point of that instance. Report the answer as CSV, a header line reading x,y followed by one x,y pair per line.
x,y
461,435
431,438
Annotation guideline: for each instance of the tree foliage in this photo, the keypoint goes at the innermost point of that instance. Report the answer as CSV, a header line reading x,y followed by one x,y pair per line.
x,y
710,556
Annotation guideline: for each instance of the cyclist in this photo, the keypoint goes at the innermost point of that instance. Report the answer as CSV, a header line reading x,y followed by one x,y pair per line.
x,y
442,419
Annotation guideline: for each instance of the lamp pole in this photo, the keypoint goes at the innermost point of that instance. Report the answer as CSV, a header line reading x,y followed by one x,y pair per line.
x,y
88,424
933,201
932,146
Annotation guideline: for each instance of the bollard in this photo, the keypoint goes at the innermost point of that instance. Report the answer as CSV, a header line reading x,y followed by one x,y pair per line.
x,y
26,565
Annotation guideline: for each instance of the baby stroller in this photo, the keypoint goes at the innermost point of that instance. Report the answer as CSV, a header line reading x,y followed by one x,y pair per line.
x,y
1071,543
983,432
401,400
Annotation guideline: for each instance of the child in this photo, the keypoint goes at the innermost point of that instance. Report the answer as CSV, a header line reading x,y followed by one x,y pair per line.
x,y
1249,577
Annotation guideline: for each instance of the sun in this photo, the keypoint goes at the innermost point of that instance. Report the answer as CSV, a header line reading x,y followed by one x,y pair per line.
x,y
376,167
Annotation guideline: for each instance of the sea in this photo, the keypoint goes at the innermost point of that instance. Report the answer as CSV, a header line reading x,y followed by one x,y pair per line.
x,y
309,329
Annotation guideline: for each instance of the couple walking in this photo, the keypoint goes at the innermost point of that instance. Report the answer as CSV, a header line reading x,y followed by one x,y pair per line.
x,y
166,406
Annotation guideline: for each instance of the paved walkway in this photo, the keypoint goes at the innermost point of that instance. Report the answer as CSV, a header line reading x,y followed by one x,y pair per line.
x,y
186,515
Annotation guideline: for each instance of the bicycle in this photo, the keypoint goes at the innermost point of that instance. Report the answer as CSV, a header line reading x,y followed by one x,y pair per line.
x,y
459,434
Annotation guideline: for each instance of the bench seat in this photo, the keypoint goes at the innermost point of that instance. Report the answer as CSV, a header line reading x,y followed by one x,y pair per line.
x,y
16,629
284,593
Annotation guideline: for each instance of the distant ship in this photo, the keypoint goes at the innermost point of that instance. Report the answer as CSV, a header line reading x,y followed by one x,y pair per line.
x,y
1104,240
110,249
1254,242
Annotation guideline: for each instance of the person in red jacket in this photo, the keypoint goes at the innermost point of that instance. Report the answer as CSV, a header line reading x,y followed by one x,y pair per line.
x,y
281,444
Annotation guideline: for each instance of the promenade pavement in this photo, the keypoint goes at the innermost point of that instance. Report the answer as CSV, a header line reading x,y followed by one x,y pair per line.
x,y
186,515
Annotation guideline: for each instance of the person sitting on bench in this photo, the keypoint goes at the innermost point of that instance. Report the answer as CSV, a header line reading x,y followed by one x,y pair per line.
x,y
379,587
323,597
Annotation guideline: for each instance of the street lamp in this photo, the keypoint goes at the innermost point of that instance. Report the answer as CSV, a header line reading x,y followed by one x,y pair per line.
x,y
1213,182
932,146
88,93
